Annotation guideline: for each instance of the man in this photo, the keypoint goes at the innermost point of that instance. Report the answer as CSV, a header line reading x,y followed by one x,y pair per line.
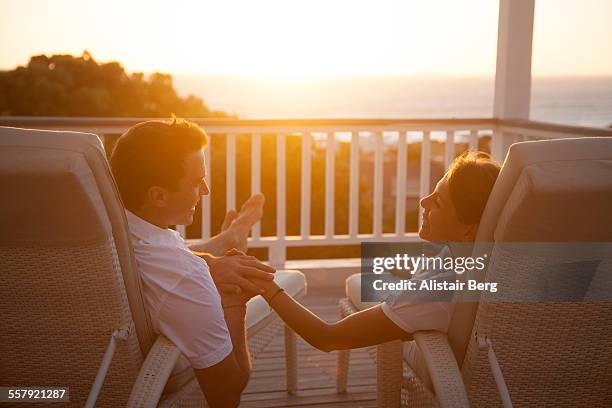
x,y
195,296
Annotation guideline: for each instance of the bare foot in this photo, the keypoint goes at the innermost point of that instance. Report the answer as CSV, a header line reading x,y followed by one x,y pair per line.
x,y
229,218
250,213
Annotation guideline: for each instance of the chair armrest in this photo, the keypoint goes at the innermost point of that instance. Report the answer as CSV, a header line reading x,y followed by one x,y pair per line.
x,y
443,368
154,374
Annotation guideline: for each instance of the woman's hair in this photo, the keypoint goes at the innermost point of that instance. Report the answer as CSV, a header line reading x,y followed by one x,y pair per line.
x,y
153,153
470,179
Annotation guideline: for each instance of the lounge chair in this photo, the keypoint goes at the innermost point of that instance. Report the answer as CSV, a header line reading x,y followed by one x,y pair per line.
x,y
553,353
72,306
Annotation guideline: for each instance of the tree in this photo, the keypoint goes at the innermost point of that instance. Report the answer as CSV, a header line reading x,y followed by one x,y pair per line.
x,y
64,85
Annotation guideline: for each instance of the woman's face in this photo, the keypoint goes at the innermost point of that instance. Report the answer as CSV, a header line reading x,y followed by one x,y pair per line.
x,y
440,221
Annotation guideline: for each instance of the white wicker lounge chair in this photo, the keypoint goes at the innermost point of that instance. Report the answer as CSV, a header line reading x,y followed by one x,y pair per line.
x,y
71,304
526,353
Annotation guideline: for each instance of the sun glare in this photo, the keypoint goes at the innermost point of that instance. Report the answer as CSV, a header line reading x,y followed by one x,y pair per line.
x,y
274,39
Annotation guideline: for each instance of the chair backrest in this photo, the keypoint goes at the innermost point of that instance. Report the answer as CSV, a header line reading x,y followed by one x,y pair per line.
x,y
558,351
69,278
520,155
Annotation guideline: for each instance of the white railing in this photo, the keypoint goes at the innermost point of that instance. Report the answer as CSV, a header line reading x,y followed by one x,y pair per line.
x,y
380,135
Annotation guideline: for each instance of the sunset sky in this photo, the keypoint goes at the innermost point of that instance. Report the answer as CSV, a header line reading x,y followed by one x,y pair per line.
x,y
304,38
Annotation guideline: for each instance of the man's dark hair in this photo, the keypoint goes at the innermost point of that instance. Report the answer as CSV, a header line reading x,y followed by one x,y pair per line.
x,y
470,179
153,153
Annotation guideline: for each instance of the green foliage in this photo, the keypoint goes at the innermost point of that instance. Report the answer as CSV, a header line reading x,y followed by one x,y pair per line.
x,y
64,85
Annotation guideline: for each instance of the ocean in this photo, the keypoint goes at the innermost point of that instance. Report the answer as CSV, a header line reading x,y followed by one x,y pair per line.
x,y
583,101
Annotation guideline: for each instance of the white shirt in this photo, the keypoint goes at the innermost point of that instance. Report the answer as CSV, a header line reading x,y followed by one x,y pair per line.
x,y
180,294
413,311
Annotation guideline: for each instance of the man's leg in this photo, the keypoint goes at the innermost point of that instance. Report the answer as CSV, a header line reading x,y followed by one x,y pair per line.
x,y
235,228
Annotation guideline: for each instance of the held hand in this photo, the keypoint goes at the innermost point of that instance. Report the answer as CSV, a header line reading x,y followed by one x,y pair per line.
x,y
236,270
234,251
269,287
237,298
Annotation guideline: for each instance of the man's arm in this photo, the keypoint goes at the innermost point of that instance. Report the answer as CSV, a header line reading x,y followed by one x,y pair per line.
x,y
237,366
210,335
234,309
224,382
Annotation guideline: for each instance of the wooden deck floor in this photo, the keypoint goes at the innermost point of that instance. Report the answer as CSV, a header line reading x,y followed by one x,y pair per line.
x,y
316,369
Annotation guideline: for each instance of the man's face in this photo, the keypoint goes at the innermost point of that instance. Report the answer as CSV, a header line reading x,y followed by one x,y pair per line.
x,y
180,205
440,221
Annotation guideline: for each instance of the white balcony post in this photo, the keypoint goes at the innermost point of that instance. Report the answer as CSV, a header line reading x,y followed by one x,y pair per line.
x,y
400,198
354,186
256,176
230,169
306,185
277,253
473,140
513,70
329,184
206,218
378,185
449,148
425,170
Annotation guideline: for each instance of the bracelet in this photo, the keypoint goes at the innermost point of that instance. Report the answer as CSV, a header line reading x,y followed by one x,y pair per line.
x,y
280,290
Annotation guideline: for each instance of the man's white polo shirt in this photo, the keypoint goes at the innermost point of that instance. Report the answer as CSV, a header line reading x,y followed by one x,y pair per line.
x,y
180,294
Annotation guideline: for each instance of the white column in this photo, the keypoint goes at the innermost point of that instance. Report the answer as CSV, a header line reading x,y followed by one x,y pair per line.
x,y
513,71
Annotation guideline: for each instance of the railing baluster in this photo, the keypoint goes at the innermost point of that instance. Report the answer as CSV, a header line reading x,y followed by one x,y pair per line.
x,y
181,230
473,140
230,178
378,184
280,186
354,186
449,148
400,198
256,176
306,175
425,169
206,218
329,184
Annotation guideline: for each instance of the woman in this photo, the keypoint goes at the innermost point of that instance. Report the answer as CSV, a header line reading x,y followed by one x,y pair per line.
x,y
451,214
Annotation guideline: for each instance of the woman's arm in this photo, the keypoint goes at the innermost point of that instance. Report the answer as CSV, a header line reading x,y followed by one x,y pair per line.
x,y
361,329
